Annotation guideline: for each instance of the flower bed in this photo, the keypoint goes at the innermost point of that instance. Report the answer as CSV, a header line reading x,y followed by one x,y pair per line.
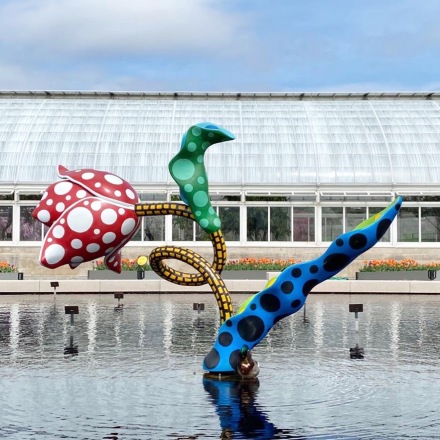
x,y
9,272
392,265
265,264
391,269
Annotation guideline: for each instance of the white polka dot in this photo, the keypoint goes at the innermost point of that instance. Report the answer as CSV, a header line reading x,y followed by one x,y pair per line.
x,y
121,211
63,188
80,219
60,207
92,247
54,253
98,185
76,244
44,195
77,260
108,237
111,259
109,251
62,221
115,180
81,194
96,206
108,216
118,193
68,197
130,194
96,231
58,231
88,176
50,240
49,202
86,203
128,226
115,264
43,216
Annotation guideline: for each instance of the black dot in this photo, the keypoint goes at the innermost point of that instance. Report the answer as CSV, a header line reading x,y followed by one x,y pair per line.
x,y
250,328
228,323
270,302
296,273
253,306
313,268
335,262
225,339
357,241
212,359
234,359
382,227
339,242
309,285
287,287
296,303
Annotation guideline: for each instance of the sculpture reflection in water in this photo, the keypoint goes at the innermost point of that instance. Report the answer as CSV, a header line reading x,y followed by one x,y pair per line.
x,y
93,214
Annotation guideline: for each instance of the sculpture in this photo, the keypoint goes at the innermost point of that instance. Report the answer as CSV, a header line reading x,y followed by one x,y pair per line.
x,y
94,213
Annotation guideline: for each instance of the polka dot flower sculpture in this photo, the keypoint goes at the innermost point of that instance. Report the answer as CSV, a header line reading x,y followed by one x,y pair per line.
x,y
90,214
95,213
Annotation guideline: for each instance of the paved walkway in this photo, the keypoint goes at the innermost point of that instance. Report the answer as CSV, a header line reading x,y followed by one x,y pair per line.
x,y
234,286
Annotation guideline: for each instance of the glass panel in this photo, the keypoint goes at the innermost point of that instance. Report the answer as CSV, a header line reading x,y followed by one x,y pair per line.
x,y
374,210
230,217
30,229
183,229
152,197
431,224
303,224
280,224
201,235
154,228
408,225
257,223
5,223
138,235
354,216
331,223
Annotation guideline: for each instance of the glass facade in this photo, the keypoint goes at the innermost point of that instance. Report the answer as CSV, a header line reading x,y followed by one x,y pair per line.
x,y
302,170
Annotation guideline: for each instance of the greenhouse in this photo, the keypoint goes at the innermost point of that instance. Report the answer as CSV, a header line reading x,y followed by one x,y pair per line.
x,y
304,167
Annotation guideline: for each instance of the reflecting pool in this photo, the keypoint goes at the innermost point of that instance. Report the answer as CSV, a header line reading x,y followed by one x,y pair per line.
x,y
134,372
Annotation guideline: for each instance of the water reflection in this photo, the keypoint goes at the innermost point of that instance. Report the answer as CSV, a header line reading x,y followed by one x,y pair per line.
x,y
236,406
137,372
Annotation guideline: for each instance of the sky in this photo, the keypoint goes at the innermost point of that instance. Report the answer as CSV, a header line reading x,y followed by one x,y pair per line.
x,y
220,45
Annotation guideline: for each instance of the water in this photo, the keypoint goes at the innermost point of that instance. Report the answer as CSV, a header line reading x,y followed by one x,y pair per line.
x,y
136,373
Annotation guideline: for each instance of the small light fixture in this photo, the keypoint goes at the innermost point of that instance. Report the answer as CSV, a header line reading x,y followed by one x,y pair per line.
x,y
54,285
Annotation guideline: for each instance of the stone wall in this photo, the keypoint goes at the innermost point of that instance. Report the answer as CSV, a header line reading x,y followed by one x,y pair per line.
x,y
26,258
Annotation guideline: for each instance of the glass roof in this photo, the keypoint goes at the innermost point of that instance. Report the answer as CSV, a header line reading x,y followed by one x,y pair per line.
x,y
287,140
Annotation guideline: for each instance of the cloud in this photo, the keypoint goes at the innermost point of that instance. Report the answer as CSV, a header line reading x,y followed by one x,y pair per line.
x,y
113,27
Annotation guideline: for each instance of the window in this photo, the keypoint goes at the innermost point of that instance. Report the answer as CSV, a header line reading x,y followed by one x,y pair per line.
x,y
5,223
280,224
303,224
408,225
331,223
430,224
183,229
230,217
30,229
257,223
